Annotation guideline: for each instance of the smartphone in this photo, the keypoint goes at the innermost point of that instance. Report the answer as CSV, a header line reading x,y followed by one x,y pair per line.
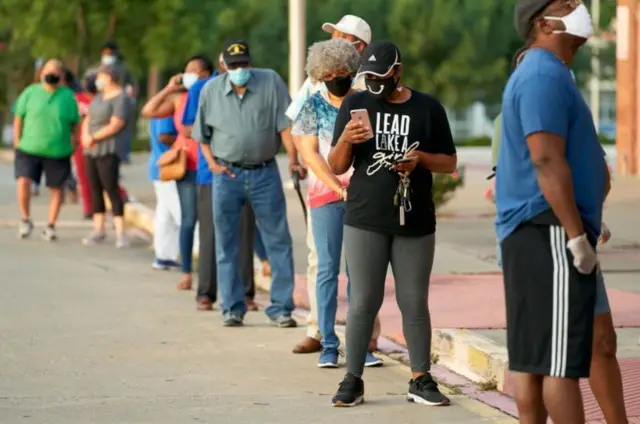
x,y
362,115
403,160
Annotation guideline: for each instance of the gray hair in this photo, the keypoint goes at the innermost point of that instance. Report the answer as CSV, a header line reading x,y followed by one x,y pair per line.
x,y
327,57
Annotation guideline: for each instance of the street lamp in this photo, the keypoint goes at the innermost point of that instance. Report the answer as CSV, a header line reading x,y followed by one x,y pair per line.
x,y
297,44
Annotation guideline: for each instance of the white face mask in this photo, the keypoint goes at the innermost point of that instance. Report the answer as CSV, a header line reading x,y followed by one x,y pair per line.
x,y
189,79
577,23
108,60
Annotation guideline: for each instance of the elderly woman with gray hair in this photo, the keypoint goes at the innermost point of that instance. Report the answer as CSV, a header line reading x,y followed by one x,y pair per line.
x,y
335,63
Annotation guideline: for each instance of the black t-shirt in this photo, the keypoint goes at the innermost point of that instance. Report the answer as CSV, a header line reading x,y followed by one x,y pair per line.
x,y
420,124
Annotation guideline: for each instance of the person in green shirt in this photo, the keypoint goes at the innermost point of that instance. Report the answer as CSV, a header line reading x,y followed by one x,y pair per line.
x,y
46,114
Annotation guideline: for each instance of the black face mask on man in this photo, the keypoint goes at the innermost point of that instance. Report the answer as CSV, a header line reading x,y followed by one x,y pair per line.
x,y
52,79
339,86
381,88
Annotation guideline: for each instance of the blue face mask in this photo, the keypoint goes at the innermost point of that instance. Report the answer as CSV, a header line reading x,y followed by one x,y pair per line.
x,y
239,76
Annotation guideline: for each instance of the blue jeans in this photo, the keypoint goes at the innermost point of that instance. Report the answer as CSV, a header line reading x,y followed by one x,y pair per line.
x,y
327,225
258,246
262,188
188,194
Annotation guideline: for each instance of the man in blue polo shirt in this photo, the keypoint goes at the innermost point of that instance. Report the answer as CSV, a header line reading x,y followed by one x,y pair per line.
x,y
551,182
162,133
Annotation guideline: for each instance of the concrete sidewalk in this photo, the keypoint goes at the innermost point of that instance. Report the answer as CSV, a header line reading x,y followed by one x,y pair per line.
x,y
93,335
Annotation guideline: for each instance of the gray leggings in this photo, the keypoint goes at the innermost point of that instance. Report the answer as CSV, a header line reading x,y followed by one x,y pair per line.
x,y
368,255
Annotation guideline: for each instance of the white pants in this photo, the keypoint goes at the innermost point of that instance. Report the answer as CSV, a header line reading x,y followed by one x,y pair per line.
x,y
167,221
312,276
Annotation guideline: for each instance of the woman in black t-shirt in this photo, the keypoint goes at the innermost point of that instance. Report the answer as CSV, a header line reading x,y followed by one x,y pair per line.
x,y
390,216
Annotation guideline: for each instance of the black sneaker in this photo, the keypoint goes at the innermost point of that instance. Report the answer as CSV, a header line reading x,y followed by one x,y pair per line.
x,y
425,391
350,392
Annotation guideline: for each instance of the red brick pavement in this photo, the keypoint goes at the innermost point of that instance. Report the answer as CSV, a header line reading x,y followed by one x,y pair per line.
x,y
465,301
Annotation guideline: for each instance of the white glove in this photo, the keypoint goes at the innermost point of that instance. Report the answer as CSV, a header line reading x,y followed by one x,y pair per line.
x,y
605,234
584,255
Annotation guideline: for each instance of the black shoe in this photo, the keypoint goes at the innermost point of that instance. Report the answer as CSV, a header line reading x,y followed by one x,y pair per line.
x,y
350,392
425,391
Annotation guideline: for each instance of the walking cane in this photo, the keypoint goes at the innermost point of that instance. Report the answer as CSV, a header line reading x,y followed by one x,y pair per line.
x,y
295,176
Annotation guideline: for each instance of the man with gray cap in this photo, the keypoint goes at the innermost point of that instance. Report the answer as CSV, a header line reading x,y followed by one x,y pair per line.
x,y
551,182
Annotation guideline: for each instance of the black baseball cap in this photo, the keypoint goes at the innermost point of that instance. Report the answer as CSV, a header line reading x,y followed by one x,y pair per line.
x,y
111,45
378,58
524,13
236,51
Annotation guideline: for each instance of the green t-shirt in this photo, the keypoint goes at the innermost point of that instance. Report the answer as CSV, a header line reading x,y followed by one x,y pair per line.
x,y
495,141
48,120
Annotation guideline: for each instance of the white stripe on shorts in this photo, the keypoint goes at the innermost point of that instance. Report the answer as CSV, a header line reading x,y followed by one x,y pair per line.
x,y
560,318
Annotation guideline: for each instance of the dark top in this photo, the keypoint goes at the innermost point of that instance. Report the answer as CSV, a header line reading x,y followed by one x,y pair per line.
x,y
418,124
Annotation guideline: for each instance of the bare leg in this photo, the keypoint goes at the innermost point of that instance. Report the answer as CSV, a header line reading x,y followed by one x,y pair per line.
x,y
24,197
118,223
605,379
563,400
54,204
98,222
529,398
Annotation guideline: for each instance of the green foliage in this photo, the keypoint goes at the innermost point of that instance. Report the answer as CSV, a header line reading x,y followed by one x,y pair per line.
x,y
445,185
459,50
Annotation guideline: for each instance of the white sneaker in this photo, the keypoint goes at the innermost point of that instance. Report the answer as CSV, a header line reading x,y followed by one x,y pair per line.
x,y
25,229
94,237
49,234
122,241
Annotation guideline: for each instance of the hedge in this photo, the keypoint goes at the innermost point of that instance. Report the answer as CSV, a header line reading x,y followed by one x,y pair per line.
x,y
485,141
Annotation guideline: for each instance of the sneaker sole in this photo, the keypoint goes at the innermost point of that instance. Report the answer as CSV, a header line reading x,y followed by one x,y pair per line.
x,y
328,365
339,404
417,399
376,364
164,267
232,324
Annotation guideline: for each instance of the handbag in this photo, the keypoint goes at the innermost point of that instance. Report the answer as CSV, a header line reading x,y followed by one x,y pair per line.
x,y
172,164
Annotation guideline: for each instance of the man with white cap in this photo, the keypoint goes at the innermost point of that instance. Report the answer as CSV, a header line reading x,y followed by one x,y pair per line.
x,y
358,32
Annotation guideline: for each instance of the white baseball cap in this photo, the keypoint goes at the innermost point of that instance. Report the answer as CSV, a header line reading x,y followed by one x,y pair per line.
x,y
351,25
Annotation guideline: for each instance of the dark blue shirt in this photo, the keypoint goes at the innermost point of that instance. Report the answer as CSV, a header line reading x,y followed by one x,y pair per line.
x,y
188,118
541,96
158,126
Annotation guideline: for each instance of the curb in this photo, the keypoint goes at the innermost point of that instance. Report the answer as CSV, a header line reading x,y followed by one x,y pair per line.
x,y
471,355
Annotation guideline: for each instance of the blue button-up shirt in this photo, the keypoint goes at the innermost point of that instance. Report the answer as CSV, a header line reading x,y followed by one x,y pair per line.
x,y
243,129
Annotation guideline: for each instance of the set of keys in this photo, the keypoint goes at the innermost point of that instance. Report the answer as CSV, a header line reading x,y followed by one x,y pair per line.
x,y
402,197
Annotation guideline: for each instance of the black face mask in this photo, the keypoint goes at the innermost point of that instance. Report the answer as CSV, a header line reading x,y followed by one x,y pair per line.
x,y
52,79
339,86
381,88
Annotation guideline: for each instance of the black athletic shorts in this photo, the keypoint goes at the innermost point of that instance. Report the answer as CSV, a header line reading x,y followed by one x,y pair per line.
x,y
549,303
56,170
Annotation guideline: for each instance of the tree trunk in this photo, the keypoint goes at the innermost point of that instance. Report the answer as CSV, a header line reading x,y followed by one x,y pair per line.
x,y
81,38
153,81
111,29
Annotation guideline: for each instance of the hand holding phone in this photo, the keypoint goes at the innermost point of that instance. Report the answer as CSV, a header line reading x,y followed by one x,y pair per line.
x,y
358,129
